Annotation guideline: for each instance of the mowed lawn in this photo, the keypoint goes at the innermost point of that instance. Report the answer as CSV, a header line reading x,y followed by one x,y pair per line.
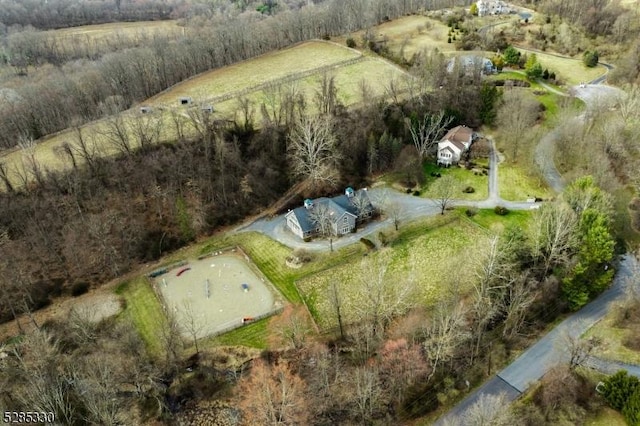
x,y
142,307
570,71
433,253
515,184
464,178
611,341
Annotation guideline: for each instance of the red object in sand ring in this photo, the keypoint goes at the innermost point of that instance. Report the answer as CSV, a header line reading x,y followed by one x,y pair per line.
x,y
181,271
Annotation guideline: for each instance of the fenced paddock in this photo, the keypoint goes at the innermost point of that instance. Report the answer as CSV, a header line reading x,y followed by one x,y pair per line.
x,y
216,293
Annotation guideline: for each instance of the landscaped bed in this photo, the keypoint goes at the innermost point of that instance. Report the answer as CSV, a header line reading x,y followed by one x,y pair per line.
x,y
475,178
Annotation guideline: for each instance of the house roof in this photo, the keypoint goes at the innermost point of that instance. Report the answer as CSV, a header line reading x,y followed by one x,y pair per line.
x,y
458,134
448,144
337,206
447,148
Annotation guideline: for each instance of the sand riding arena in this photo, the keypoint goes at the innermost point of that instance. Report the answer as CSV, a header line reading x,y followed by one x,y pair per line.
x,y
216,293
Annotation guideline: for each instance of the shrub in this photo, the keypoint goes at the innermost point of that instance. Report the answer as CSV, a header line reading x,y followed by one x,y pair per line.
x,y
471,211
351,42
501,210
590,59
383,238
618,389
79,288
408,190
306,239
416,193
326,37
449,40
469,190
368,243
301,255
631,409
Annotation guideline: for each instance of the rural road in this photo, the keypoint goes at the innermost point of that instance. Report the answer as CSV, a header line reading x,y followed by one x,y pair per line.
x,y
551,349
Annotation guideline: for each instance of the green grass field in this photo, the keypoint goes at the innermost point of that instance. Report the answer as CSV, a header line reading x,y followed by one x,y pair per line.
x,y
516,185
496,224
611,338
410,34
144,310
464,177
253,335
433,250
606,417
109,35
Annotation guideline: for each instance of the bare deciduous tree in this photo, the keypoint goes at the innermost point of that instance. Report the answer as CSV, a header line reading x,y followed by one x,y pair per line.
x,y
426,132
326,96
382,298
489,409
313,151
292,327
444,189
518,112
192,323
366,392
116,132
519,296
447,330
273,395
553,234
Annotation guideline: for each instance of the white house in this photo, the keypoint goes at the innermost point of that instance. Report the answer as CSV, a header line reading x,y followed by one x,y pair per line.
x,y
492,7
455,143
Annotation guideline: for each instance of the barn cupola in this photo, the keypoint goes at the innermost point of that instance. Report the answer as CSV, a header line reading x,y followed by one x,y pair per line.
x,y
308,203
349,192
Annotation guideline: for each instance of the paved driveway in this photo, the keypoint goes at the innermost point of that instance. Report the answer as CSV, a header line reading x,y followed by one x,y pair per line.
x,y
413,208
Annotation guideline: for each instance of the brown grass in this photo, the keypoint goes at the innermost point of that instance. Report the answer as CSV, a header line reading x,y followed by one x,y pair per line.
x,y
111,32
415,32
308,60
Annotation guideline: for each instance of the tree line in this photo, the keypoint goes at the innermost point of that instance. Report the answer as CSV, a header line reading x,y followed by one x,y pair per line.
x,y
78,92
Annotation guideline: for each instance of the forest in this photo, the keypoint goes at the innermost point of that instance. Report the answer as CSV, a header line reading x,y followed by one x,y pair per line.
x,y
64,233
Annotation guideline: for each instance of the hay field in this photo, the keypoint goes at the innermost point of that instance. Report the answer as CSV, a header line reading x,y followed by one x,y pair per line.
x,y
572,71
441,252
113,33
302,65
415,32
303,58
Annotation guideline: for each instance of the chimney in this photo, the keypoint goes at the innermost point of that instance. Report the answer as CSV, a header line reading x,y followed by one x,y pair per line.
x,y
349,192
308,203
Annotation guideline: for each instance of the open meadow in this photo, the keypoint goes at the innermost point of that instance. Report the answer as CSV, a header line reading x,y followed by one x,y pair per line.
x,y
301,67
112,34
433,254
409,35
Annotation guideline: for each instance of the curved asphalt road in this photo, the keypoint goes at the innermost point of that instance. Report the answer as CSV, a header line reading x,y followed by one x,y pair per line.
x,y
550,350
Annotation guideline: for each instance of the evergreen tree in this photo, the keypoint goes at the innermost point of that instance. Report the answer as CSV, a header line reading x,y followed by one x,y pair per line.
x,y
618,388
489,96
631,409
511,56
